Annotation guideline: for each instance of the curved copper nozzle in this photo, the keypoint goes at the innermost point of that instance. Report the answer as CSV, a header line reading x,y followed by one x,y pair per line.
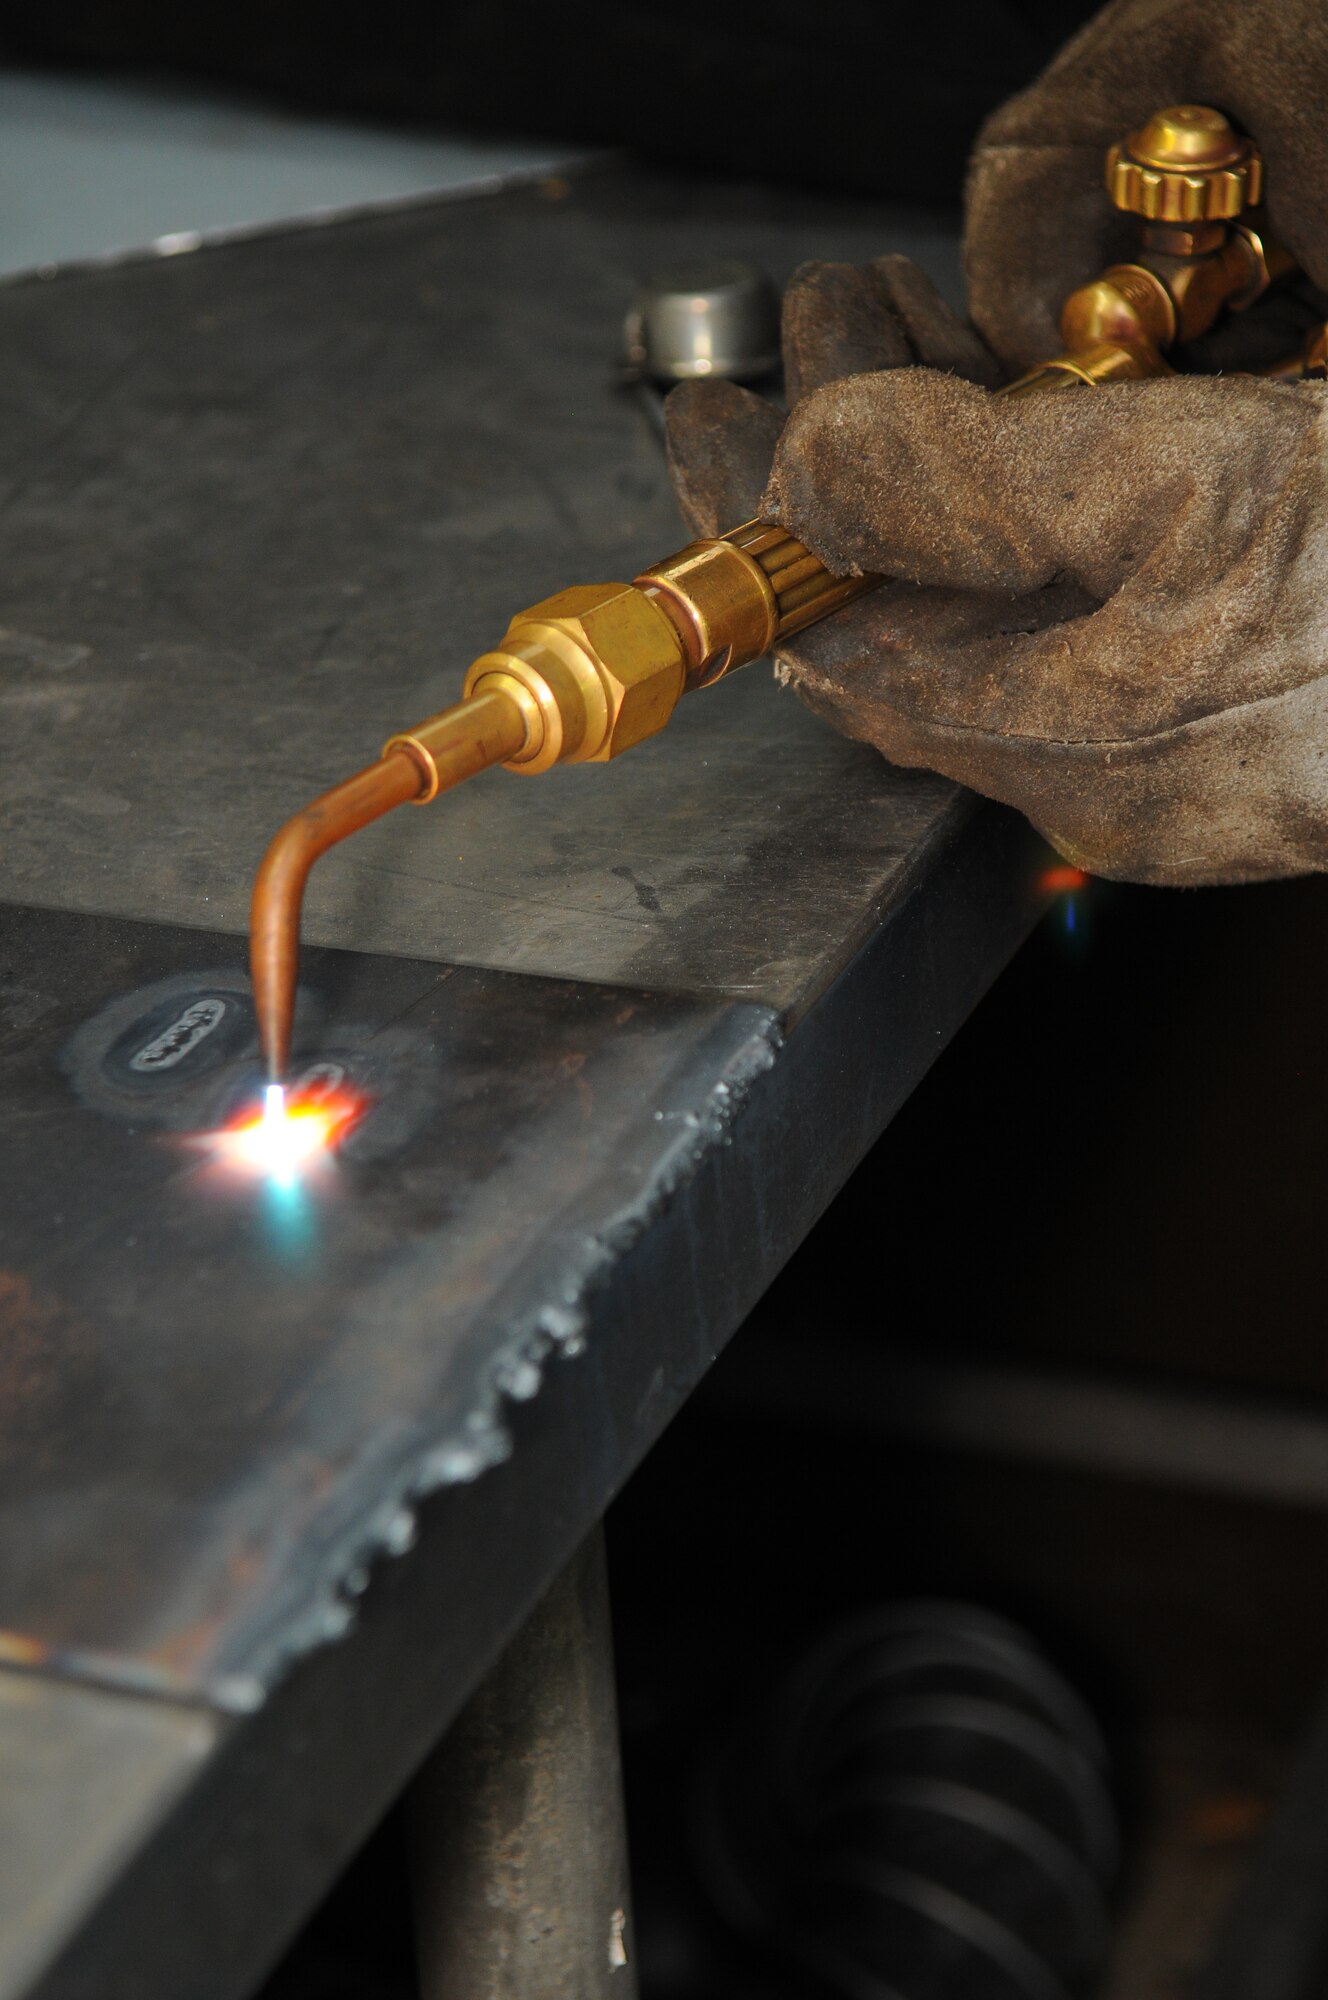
x,y
485,730
274,922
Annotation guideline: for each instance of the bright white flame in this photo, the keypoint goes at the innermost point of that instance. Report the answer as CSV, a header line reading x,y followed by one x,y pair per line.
x,y
282,1141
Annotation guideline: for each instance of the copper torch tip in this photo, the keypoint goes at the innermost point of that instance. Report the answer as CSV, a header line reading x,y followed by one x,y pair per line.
x,y
274,924
486,728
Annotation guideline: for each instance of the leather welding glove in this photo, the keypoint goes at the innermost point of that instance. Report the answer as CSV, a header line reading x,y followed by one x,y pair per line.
x,y
1108,607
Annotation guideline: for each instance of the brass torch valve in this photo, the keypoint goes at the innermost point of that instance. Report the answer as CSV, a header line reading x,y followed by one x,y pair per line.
x,y
592,671
1190,178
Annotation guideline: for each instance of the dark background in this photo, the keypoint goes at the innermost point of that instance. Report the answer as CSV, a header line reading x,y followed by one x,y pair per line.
x,y
860,96
1116,1171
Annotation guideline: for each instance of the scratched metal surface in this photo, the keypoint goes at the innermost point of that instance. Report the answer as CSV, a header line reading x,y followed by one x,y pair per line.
x,y
216,1390
263,503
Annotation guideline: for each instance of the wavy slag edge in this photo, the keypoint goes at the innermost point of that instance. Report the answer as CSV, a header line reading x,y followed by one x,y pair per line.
x,y
553,1328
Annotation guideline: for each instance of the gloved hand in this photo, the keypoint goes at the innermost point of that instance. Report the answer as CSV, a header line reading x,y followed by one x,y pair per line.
x,y
1112,604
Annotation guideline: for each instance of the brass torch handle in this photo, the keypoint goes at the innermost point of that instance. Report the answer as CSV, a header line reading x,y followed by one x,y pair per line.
x,y
801,588
733,597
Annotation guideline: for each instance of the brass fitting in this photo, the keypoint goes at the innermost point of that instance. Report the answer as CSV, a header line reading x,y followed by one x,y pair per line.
x,y
1186,166
720,602
733,596
595,670
1091,366
450,747
1128,306
1188,174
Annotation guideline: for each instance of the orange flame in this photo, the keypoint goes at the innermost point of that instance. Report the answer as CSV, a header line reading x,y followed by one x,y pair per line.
x,y
284,1138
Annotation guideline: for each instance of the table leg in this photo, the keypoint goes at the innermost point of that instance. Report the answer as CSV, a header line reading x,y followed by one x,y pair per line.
x,y
519,1852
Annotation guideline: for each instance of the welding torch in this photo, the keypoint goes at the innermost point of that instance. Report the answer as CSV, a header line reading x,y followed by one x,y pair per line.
x,y
592,671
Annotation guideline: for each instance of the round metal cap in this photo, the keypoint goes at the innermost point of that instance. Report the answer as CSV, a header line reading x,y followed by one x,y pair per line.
x,y
708,318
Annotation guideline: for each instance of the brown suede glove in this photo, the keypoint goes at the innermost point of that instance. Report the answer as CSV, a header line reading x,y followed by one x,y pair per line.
x,y
1112,604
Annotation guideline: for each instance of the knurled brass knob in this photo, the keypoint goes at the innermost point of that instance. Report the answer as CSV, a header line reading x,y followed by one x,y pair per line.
x,y
1187,165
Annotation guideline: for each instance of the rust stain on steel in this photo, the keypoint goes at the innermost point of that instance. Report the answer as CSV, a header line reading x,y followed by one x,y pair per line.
x,y
46,1350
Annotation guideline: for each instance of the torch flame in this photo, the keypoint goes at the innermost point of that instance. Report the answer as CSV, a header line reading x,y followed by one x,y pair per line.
x,y
284,1139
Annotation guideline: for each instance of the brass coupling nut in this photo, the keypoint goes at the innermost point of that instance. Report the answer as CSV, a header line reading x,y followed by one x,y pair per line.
x,y
735,596
722,603
595,669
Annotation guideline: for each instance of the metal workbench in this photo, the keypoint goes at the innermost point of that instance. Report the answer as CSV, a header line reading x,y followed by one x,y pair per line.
x,y
283,1471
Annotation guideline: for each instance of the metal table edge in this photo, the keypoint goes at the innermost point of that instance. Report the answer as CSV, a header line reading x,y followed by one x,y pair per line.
x,y
290,1791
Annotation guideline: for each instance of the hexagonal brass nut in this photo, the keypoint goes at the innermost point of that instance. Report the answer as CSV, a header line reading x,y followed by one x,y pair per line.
x,y
639,656
604,665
